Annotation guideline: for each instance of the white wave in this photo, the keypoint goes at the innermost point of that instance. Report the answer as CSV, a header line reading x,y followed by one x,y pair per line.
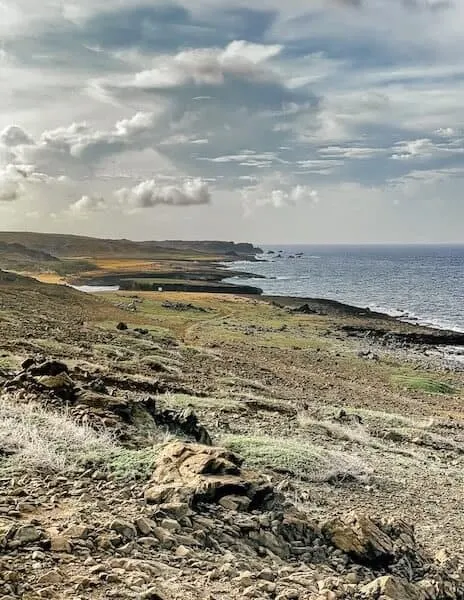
x,y
94,289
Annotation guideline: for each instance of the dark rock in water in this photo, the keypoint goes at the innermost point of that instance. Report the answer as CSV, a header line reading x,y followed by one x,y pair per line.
x,y
122,326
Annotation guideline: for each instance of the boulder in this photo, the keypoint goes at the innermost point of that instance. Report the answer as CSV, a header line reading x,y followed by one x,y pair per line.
x,y
48,367
58,383
193,473
59,543
393,588
27,534
124,528
360,537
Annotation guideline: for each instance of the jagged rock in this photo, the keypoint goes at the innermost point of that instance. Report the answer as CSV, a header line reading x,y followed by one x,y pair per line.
x,y
53,577
27,534
360,537
27,363
193,473
236,503
124,528
101,402
58,383
144,525
304,309
171,525
77,532
393,588
185,421
49,368
59,543
295,526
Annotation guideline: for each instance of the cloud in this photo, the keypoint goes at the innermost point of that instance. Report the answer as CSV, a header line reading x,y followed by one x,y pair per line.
x,y
263,194
18,181
88,204
426,148
247,158
357,152
14,136
140,122
422,148
427,5
9,190
446,132
79,139
416,5
152,193
11,187
209,66
116,92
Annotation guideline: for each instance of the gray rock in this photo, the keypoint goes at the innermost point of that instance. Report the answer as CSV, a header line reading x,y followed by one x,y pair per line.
x,y
27,534
124,528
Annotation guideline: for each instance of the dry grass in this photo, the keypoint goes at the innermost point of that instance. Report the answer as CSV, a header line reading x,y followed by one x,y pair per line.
x,y
354,433
32,438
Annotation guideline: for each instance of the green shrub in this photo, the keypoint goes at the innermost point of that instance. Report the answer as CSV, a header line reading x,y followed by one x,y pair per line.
x,y
424,384
297,457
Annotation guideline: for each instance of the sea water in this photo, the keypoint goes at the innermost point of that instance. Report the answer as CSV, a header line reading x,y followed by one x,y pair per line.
x,y
423,284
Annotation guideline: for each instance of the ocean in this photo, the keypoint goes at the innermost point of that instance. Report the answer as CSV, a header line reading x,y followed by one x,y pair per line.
x,y
421,284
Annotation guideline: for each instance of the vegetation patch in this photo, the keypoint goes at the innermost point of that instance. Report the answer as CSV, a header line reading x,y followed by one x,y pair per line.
x,y
297,457
71,267
424,384
126,464
9,363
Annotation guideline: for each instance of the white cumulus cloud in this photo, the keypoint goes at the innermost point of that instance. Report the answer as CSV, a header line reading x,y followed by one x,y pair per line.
x,y
88,204
210,66
79,138
153,193
264,194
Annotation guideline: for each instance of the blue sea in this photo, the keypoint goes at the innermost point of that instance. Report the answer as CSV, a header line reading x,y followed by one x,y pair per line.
x,y
422,284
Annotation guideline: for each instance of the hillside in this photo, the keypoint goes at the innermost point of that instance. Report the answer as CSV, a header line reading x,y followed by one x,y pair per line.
x,y
62,246
16,256
168,446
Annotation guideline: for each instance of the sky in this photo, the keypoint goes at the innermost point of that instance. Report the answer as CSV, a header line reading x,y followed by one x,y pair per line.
x,y
304,121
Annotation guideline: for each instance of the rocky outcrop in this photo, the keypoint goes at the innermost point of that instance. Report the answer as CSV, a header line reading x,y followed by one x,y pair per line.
x,y
194,474
91,400
360,537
